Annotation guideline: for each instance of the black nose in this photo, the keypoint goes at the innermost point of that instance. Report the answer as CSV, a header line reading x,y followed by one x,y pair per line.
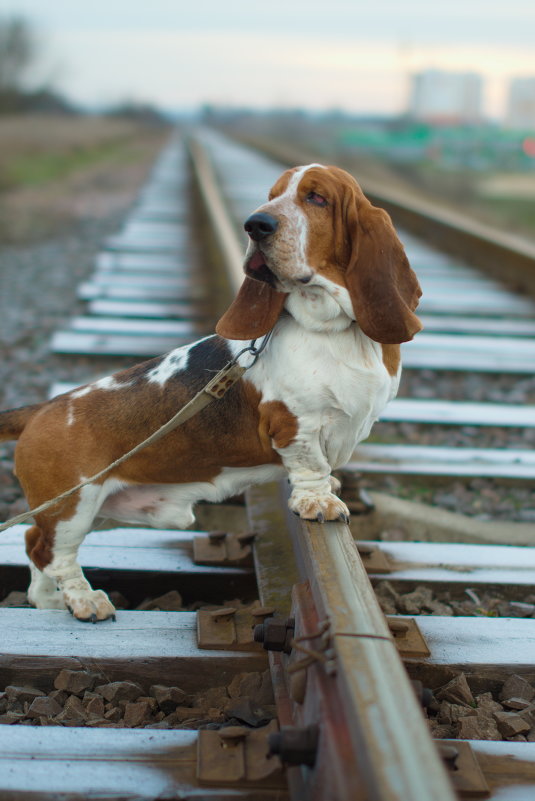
x,y
260,225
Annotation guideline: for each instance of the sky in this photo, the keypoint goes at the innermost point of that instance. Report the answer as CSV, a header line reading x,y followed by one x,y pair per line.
x,y
355,55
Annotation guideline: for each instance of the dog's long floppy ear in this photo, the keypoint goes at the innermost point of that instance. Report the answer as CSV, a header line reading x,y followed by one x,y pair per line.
x,y
254,311
384,290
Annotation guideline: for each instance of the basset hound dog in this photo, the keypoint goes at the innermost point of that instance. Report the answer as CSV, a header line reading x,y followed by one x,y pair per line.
x,y
327,274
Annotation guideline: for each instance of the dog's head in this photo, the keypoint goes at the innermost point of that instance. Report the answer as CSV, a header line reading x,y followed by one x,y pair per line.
x,y
319,232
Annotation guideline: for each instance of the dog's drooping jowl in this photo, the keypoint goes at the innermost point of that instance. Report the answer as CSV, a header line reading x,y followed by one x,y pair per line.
x,y
326,273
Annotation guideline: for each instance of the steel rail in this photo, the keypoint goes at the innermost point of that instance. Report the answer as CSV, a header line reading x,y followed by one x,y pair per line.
x,y
230,249
390,745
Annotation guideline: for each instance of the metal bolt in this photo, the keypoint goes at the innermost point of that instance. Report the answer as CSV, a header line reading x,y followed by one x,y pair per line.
x,y
262,612
423,694
246,538
217,537
258,632
450,755
231,736
275,634
225,612
398,627
295,746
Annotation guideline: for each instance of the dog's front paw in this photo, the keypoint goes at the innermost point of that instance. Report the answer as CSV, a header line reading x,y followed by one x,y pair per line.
x,y
319,507
89,605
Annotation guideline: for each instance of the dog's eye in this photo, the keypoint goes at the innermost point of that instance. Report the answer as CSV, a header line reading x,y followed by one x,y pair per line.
x,y
316,199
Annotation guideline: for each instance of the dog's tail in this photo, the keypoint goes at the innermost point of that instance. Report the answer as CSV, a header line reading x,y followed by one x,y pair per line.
x,y
14,421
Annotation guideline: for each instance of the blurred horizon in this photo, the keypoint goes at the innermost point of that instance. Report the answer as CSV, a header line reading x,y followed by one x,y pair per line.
x,y
434,103
304,55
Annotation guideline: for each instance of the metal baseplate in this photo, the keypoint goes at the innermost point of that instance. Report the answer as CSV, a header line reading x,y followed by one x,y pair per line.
x,y
463,768
238,756
231,628
408,638
374,559
219,548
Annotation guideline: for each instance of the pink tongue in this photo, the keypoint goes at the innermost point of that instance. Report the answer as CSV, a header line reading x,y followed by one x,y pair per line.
x,y
257,261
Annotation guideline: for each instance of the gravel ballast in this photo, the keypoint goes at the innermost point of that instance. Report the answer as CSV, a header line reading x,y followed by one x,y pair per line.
x,y
456,713
423,600
82,698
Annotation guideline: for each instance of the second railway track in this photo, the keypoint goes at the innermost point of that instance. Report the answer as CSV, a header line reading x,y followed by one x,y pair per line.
x,y
335,662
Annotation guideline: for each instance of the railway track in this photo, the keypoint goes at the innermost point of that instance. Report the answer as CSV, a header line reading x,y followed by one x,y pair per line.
x,y
343,719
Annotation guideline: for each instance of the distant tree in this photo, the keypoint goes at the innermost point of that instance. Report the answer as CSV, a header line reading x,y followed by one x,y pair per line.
x,y
141,112
45,101
18,49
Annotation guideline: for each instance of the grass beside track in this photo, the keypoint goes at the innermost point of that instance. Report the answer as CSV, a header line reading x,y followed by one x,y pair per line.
x,y
54,169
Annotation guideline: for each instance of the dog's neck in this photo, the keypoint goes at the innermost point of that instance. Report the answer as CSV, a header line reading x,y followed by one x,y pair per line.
x,y
321,306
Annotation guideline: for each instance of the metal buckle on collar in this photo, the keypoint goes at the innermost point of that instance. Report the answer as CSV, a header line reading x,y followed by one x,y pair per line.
x,y
253,350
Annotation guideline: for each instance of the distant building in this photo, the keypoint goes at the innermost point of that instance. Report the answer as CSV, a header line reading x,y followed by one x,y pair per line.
x,y
446,98
521,103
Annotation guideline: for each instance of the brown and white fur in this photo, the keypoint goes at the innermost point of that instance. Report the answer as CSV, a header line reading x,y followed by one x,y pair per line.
x,y
330,276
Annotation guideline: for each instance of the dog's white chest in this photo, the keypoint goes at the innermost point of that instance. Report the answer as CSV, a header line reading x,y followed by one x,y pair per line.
x,y
335,383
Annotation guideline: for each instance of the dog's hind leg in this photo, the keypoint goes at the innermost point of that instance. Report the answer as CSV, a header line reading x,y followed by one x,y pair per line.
x,y
53,549
43,592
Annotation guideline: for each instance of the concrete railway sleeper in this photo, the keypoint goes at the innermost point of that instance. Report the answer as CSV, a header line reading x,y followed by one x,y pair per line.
x,y
181,678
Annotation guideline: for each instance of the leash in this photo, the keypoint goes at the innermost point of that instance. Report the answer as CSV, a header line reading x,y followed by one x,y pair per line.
x,y
215,389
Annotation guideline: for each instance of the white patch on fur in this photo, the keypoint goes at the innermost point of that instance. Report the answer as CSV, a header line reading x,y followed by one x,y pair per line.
x,y
79,393
70,414
297,220
295,180
172,363
109,382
